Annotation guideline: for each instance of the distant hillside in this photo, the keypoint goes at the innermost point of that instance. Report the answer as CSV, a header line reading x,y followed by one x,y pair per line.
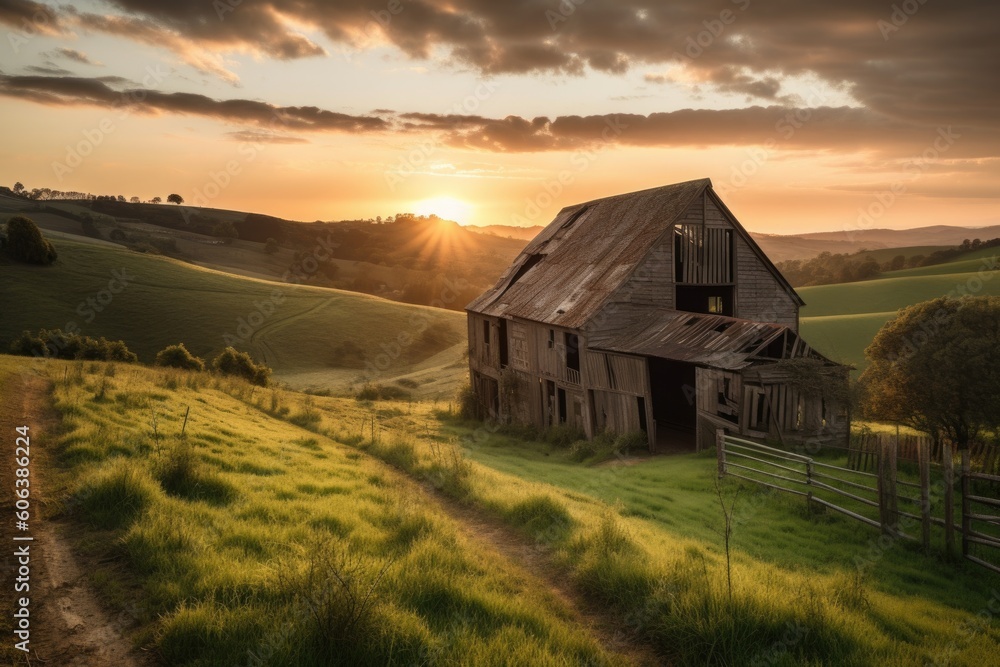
x,y
805,246
507,231
413,259
841,320
312,337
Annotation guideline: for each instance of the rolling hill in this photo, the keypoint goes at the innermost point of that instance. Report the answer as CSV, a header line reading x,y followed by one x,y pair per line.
x,y
316,338
841,320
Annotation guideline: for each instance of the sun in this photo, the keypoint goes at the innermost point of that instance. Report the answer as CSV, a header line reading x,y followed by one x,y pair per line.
x,y
447,208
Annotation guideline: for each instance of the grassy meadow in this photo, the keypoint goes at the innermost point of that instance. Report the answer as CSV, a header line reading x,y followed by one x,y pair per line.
x,y
310,336
229,533
841,320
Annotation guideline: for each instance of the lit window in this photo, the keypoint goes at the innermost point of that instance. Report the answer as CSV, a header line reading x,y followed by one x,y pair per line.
x,y
715,304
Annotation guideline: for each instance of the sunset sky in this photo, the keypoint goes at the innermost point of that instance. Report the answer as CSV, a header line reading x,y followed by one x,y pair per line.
x,y
807,116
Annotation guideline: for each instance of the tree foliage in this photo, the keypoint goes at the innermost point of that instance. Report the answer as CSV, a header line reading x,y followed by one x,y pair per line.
x,y
175,199
178,356
936,368
233,362
25,242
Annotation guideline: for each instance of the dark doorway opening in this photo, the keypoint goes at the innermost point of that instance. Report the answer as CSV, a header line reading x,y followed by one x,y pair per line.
x,y
572,351
674,403
562,405
708,299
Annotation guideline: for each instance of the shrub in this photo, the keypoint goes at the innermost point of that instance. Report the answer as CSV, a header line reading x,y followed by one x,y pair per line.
x,y
562,435
25,242
233,362
177,356
375,392
61,345
468,407
181,475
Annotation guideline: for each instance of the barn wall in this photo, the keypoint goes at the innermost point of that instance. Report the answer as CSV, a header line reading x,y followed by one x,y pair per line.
x,y
759,294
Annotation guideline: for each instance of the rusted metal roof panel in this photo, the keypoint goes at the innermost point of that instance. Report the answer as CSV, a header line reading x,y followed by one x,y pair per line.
x,y
568,271
713,340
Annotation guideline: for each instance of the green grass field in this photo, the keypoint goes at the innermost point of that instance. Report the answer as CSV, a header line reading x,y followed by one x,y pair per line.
x,y
312,337
250,536
841,320
271,495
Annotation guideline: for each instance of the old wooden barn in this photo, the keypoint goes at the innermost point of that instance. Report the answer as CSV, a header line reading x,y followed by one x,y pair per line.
x,y
652,311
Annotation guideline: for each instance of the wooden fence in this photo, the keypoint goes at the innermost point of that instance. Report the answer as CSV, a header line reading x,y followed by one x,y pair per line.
x,y
909,506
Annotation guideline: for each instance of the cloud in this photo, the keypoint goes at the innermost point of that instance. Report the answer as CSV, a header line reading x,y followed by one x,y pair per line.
x,y
257,137
48,69
79,91
29,18
74,55
926,66
778,127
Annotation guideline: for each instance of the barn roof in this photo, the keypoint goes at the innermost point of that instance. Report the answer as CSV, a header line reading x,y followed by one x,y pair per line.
x,y
587,252
711,340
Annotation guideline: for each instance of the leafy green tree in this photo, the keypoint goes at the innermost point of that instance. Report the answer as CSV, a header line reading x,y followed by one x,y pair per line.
x,y
270,246
156,200
25,242
18,188
936,368
175,199
178,356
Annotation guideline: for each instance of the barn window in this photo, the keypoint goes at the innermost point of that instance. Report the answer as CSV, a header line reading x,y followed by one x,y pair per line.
x,y
552,338
715,305
703,255
572,351
486,338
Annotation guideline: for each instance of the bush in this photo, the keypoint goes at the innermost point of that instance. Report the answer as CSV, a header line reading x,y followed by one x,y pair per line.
x,y
233,362
61,345
468,407
177,356
25,242
375,392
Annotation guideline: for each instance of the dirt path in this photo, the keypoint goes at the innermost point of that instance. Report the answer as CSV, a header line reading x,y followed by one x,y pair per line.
x,y
69,627
608,627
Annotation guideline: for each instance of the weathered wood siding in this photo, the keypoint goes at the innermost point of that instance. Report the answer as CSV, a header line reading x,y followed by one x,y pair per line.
x,y
484,348
615,372
615,412
759,295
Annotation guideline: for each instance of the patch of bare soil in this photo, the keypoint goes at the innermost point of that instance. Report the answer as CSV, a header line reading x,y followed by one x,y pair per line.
x,y
69,626
609,628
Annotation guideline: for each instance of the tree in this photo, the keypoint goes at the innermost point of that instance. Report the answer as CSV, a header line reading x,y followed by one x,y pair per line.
x,y
270,246
134,200
175,199
25,242
156,200
18,188
936,368
177,356
225,230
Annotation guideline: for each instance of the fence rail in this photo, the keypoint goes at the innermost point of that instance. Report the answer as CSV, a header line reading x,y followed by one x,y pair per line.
x,y
874,497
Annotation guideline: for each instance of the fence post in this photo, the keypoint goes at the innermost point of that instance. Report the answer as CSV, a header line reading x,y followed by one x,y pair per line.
x,y
924,461
720,450
887,486
966,504
948,463
809,481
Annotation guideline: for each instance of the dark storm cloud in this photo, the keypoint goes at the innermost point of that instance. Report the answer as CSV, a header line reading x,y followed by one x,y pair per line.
x,y
78,91
29,17
780,127
924,61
